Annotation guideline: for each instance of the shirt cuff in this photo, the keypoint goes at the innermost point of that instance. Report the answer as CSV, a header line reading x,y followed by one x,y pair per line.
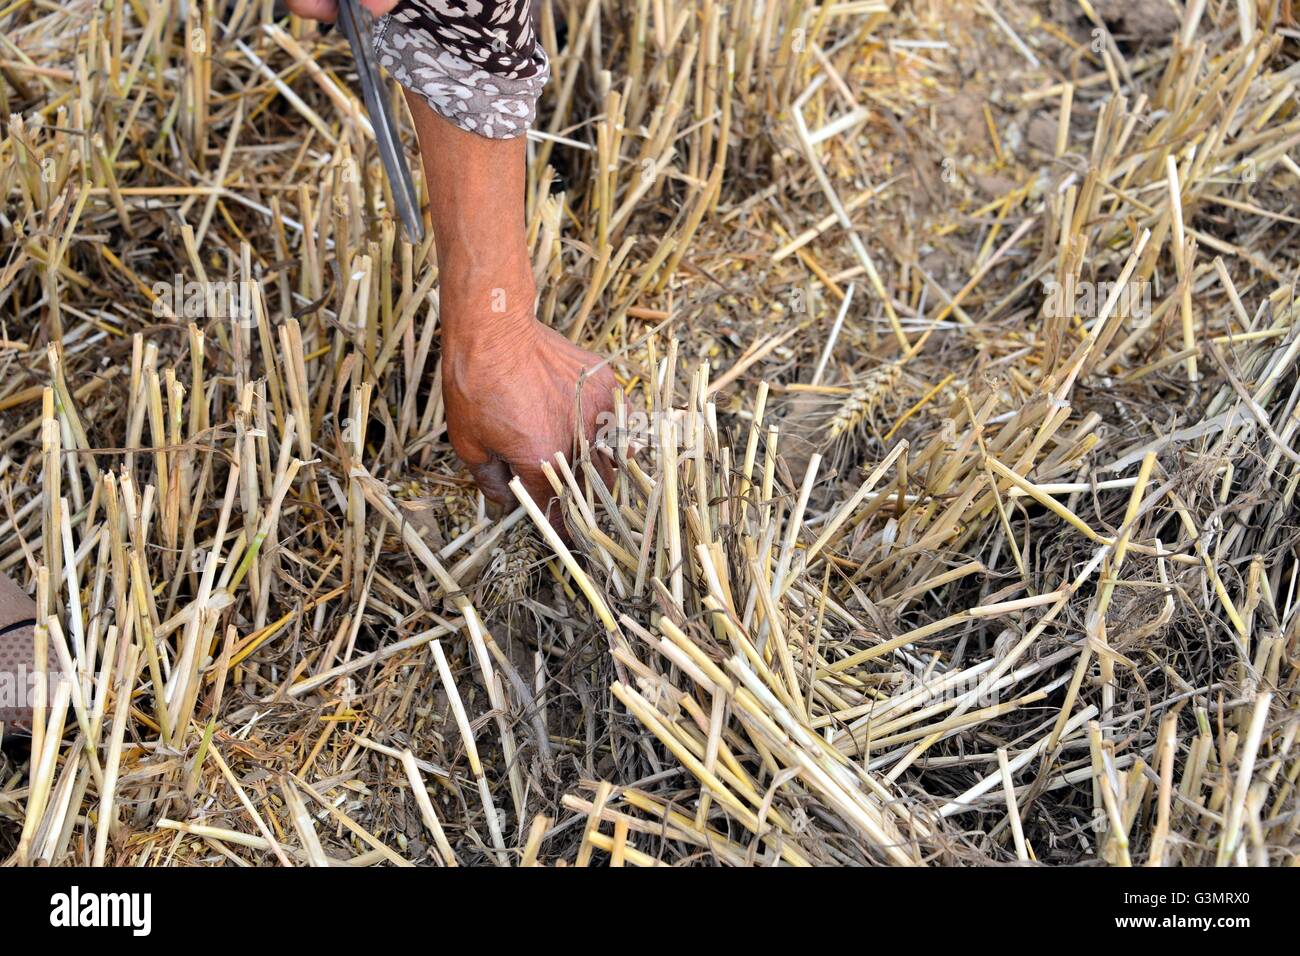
x,y
497,105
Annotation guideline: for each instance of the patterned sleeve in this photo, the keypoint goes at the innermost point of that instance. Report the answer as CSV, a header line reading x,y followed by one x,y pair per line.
x,y
478,63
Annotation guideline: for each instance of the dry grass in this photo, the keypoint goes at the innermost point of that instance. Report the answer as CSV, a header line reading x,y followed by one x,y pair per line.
x,y
952,553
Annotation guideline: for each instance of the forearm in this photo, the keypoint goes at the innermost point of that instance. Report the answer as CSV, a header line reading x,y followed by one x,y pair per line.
x,y
515,391
476,204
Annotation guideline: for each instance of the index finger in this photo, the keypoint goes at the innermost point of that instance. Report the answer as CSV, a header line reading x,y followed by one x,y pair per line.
x,y
324,10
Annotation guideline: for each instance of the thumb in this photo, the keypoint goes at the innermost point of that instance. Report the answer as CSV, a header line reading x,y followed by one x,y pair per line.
x,y
493,479
490,473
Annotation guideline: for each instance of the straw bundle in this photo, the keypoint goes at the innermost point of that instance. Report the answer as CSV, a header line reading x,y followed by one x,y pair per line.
x,y
965,527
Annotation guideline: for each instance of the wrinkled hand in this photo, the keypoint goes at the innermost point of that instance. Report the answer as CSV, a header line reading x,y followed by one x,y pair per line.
x,y
512,401
327,10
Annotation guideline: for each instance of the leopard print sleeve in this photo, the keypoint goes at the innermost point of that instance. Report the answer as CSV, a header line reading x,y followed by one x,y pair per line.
x,y
478,63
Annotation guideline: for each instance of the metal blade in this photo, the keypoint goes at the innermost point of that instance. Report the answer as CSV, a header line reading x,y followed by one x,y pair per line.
x,y
378,106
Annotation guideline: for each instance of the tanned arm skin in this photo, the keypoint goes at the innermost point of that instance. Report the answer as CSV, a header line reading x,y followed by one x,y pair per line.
x,y
510,384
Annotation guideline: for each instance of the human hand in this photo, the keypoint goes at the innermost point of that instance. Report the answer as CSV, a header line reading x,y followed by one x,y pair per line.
x,y
327,10
510,389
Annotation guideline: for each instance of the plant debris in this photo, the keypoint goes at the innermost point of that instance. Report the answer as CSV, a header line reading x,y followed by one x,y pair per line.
x,y
961,343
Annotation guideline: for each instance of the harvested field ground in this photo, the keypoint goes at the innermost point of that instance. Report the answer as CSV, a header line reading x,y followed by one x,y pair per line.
x,y
960,339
